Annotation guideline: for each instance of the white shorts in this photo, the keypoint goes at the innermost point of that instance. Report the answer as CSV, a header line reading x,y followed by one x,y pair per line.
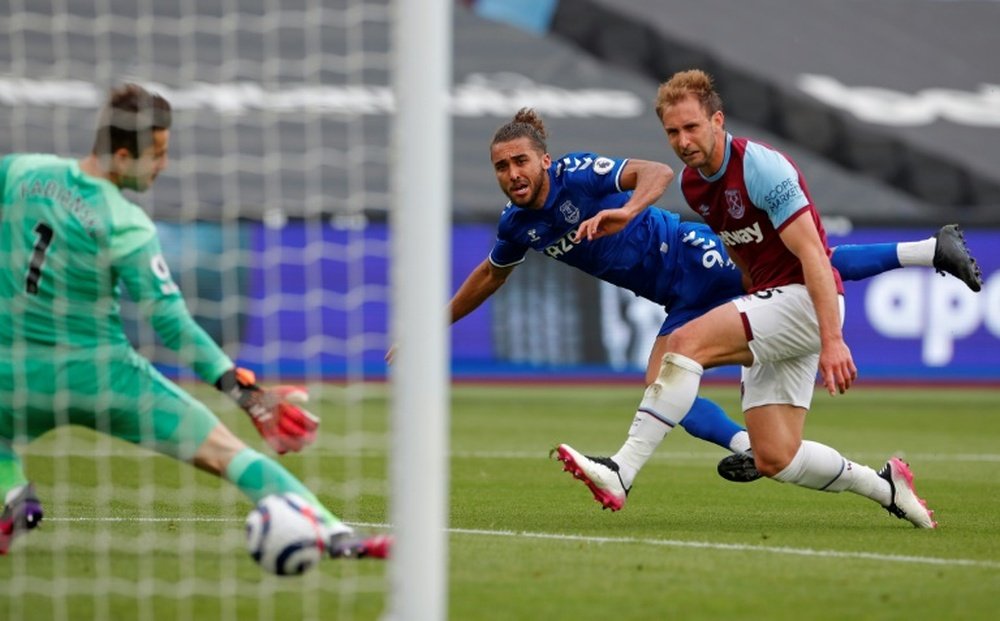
x,y
783,335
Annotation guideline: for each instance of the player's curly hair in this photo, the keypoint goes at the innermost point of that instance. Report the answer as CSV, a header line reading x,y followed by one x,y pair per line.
x,y
685,83
130,115
525,124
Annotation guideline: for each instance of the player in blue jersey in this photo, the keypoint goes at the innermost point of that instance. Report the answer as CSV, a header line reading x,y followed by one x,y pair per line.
x,y
681,265
788,325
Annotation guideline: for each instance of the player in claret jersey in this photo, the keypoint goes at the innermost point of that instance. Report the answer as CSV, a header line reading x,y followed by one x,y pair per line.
x,y
68,241
682,265
756,201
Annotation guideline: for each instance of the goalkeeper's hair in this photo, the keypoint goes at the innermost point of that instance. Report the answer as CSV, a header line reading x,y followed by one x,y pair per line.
x,y
525,124
128,119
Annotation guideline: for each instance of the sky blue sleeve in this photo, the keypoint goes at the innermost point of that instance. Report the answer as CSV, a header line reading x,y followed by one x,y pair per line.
x,y
772,183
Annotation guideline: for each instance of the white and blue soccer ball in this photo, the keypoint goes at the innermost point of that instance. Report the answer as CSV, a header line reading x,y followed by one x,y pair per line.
x,y
285,534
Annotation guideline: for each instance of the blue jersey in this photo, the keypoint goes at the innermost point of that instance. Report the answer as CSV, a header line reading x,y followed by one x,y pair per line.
x,y
682,266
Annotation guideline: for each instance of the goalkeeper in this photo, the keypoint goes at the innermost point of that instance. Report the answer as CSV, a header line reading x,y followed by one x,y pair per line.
x,y
68,239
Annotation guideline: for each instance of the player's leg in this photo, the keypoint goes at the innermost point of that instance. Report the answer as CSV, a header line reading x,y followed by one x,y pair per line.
x,y
22,511
701,278
860,261
11,471
706,420
150,410
26,412
257,476
713,339
946,251
777,391
781,454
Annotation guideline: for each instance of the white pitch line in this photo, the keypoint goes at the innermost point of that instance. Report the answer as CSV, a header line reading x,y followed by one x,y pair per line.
x,y
701,455
740,547
669,543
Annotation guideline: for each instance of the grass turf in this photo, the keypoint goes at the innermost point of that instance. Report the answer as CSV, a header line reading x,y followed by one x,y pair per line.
x,y
132,536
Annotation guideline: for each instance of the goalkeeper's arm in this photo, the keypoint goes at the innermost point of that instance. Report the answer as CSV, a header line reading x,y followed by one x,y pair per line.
x,y
283,424
280,421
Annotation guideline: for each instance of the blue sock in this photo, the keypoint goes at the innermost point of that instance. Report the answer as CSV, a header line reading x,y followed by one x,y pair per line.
x,y
860,261
706,421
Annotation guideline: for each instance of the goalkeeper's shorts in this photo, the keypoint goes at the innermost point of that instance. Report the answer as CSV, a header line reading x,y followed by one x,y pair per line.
x,y
123,396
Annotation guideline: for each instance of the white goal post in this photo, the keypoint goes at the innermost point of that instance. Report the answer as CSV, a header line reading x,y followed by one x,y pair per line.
x,y
420,250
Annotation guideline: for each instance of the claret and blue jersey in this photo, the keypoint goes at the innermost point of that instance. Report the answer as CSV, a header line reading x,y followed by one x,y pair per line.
x,y
751,198
682,266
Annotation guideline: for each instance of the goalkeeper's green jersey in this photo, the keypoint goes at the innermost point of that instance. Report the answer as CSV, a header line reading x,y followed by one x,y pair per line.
x,y
67,243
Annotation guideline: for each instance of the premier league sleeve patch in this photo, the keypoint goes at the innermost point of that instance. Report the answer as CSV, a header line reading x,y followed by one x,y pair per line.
x,y
603,165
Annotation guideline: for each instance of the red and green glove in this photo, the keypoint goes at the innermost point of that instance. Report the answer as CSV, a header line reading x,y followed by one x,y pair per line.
x,y
282,423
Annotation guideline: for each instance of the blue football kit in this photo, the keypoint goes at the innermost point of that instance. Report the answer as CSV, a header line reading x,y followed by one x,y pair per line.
x,y
680,265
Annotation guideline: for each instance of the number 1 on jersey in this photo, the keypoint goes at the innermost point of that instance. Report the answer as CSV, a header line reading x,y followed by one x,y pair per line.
x,y
44,232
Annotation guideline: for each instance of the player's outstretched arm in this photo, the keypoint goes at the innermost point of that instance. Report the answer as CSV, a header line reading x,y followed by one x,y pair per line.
x,y
275,412
477,288
284,425
647,180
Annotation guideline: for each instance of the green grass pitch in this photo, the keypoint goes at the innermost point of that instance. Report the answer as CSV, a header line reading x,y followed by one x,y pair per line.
x,y
133,536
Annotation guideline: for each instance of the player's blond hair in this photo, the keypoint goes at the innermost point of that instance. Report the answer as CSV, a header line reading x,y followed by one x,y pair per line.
x,y
525,124
691,83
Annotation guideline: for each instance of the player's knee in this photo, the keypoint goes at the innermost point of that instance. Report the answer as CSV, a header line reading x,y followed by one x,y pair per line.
x,y
674,367
689,345
681,342
217,450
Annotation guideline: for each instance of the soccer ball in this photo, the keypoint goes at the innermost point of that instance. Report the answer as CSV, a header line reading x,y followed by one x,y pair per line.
x,y
285,534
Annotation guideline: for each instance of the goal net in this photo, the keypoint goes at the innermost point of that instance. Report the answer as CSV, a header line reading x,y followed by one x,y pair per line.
x,y
273,215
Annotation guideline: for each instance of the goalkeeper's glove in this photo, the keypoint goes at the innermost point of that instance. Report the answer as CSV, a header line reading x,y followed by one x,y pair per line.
x,y
284,425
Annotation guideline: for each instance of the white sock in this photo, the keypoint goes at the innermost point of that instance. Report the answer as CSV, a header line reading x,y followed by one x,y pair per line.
x,y
920,253
665,403
821,467
864,481
644,436
740,442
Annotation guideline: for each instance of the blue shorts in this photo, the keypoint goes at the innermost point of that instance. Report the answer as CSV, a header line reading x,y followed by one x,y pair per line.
x,y
704,278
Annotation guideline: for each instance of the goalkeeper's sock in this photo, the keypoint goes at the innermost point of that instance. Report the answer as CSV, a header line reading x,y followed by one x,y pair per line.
x,y
11,473
258,476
